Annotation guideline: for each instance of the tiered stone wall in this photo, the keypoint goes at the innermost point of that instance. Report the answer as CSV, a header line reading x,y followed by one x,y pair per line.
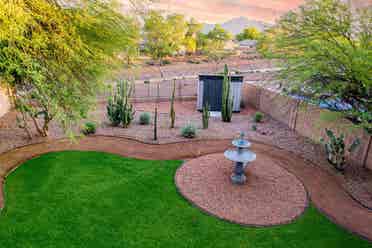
x,y
4,102
309,120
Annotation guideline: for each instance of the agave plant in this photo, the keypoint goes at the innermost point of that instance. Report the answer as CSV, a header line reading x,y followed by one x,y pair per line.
x,y
336,149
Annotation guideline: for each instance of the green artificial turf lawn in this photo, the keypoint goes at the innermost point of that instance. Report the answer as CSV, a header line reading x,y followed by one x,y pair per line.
x,y
92,199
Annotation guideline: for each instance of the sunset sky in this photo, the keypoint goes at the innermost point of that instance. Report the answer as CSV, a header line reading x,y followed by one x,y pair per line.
x,y
213,11
218,11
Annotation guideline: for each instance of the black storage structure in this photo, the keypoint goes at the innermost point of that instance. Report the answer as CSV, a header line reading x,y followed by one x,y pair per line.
x,y
210,91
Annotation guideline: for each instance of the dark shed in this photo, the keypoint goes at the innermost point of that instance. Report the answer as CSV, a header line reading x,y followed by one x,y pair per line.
x,y
210,90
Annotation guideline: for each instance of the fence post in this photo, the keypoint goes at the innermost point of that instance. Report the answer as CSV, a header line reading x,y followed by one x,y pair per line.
x,y
369,149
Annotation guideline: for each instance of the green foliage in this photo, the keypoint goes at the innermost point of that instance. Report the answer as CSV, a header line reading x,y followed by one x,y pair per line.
x,y
219,34
172,111
258,117
156,124
145,118
119,108
326,50
254,128
250,33
336,149
188,131
206,115
53,56
89,128
164,35
227,101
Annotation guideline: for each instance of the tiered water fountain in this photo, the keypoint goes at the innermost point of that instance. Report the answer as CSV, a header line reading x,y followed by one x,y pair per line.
x,y
242,156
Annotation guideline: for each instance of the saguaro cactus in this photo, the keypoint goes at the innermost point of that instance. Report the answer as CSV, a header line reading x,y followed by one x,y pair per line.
x,y
172,111
227,102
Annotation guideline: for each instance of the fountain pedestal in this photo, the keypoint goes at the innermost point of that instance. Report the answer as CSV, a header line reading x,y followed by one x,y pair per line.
x,y
241,157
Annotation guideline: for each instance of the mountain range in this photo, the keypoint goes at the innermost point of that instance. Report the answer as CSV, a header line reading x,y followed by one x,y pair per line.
x,y
237,25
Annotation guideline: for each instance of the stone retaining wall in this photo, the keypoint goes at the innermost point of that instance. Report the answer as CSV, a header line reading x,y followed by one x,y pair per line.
x,y
4,102
309,120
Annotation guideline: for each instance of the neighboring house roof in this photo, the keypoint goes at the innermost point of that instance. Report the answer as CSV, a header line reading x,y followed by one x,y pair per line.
x,y
248,43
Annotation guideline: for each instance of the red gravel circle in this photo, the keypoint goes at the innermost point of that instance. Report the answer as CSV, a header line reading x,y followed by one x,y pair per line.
x,y
271,195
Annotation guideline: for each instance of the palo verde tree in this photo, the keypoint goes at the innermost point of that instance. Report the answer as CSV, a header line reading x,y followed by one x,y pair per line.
x,y
53,56
250,33
164,35
213,44
326,51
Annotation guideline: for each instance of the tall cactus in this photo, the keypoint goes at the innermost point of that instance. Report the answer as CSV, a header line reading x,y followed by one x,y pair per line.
x,y
119,109
172,111
206,116
227,101
156,124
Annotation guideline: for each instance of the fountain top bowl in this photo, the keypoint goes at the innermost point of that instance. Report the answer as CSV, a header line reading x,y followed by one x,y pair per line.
x,y
241,143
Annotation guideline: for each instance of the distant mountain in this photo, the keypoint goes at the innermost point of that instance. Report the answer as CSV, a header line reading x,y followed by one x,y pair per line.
x,y
237,25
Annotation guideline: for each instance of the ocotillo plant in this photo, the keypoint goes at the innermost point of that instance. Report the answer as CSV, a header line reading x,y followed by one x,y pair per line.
x,y
156,124
227,102
172,111
205,116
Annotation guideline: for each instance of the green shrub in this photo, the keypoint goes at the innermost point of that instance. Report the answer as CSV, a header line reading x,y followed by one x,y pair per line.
x,y
166,62
336,149
254,127
89,128
145,118
188,131
258,117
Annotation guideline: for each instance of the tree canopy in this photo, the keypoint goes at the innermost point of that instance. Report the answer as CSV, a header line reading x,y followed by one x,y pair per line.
x,y
164,35
326,51
52,56
250,33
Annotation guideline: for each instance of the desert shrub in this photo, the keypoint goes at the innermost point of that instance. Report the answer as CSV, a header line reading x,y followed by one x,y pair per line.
x,y
258,117
254,127
336,149
89,128
166,62
188,131
145,118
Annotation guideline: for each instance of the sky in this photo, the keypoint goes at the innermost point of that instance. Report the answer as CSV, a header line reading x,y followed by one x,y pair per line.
x,y
216,11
